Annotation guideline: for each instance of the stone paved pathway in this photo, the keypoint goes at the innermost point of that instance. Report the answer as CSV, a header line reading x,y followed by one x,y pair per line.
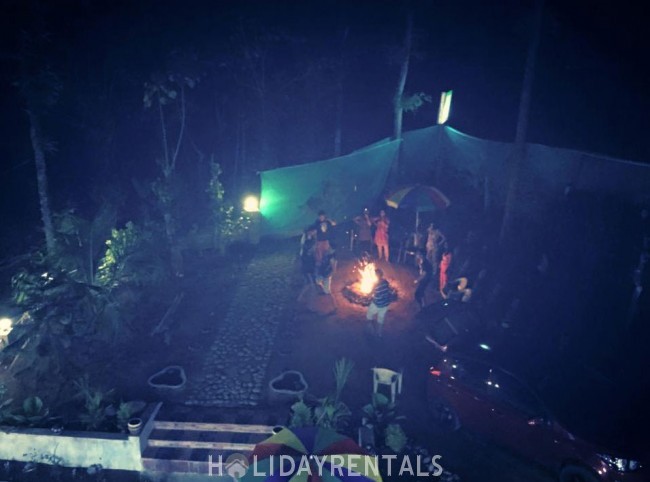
x,y
235,366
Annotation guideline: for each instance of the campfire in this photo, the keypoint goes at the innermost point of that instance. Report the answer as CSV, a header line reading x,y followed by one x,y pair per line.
x,y
359,291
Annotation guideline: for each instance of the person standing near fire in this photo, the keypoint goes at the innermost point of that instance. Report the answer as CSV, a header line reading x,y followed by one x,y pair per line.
x,y
435,239
324,273
426,275
364,232
324,228
307,262
381,299
382,224
444,266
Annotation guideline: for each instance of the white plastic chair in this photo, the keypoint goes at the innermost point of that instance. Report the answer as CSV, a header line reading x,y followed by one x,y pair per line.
x,y
384,376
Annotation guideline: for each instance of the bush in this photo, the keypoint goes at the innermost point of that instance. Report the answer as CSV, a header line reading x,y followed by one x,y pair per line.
x,y
132,257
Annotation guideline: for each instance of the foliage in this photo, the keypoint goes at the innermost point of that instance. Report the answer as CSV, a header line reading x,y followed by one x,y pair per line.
x,y
329,411
229,222
301,415
80,242
126,411
33,413
59,310
68,301
411,103
382,413
96,403
395,438
342,369
131,258
164,89
98,412
4,403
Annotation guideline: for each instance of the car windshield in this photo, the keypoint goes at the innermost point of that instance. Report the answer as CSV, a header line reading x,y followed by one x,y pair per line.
x,y
506,389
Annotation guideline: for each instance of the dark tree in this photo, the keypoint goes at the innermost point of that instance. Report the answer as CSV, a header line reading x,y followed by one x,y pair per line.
x,y
40,87
519,149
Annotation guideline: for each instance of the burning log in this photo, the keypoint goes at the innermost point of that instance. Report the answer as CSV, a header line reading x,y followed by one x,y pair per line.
x,y
360,291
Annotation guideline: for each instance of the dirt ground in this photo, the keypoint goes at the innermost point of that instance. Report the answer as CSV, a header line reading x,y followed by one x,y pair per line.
x,y
311,341
318,336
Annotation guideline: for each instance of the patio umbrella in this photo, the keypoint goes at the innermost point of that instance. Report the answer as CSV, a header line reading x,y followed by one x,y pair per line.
x,y
420,198
328,455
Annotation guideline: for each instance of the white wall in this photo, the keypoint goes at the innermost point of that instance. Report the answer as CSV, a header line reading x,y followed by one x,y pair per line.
x,y
76,449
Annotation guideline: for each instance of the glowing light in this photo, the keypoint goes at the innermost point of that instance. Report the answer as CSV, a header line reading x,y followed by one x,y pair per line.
x,y
6,324
485,347
368,278
251,204
445,107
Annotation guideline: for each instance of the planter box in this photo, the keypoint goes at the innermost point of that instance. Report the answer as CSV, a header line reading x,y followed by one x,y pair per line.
x,y
280,395
78,449
169,391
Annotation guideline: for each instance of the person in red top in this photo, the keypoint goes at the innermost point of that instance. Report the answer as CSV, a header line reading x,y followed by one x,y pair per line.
x,y
444,266
381,235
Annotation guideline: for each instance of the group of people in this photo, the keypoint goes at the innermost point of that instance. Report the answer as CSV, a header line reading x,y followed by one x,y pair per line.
x,y
427,270
366,224
432,256
318,260
381,294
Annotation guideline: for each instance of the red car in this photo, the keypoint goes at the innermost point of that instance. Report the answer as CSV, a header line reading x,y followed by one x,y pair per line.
x,y
494,403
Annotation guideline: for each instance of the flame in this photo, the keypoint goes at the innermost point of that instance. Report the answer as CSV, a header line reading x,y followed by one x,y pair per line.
x,y
368,278
5,326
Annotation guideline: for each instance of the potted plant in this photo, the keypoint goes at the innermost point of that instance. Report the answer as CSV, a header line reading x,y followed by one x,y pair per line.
x,y
381,416
287,387
329,411
125,416
169,382
134,425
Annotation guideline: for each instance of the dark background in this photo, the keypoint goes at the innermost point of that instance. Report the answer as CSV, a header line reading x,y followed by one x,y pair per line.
x,y
590,91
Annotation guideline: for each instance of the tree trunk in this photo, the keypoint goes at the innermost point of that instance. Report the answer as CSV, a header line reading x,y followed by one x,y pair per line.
x,y
338,130
519,149
36,136
398,111
339,119
235,168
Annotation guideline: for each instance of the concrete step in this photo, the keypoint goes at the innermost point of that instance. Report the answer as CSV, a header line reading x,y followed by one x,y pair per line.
x,y
199,447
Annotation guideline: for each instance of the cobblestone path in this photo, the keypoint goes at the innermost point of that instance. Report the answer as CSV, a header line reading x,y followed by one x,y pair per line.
x,y
235,366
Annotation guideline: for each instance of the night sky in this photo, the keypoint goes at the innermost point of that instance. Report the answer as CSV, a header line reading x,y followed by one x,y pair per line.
x,y
590,90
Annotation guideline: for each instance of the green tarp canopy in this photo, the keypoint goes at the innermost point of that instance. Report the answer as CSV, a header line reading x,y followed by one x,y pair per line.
x,y
292,196
343,186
